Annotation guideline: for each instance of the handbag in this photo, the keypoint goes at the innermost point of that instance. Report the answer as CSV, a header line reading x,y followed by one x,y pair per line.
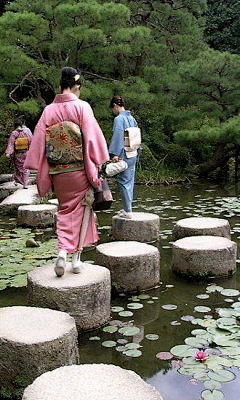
x,y
102,198
114,168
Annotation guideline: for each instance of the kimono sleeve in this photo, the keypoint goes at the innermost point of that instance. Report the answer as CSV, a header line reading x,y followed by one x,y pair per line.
x,y
117,143
94,146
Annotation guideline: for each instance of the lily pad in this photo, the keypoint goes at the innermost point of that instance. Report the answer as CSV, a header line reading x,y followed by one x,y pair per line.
x,y
169,307
203,296
222,376
197,332
214,288
183,350
211,385
202,309
144,296
229,292
212,395
110,329
134,306
164,355
133,353
152,336
117,309
201,376
132,346
125,314
196,342
109,343
129,331
94,338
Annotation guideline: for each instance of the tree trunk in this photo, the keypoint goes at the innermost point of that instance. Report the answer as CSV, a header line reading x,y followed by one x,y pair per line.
x,y
223,153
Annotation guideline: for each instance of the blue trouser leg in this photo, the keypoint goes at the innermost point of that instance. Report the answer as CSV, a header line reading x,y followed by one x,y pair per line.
x,y
126,184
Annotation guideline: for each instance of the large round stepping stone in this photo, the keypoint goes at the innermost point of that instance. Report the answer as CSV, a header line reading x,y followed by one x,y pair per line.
x,y
197,226
35,340
85,296
142,227
90,382
37,215
133,265
204,256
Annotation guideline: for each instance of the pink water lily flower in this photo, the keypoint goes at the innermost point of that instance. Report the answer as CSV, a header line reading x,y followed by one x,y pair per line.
x,y
201,355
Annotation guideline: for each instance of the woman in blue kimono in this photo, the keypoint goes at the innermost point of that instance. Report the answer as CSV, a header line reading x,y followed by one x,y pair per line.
x,y
123,120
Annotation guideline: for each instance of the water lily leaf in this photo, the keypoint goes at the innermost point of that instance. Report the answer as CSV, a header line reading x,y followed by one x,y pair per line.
x,y
133,353
154,298
129,331
132,346
121,348
144,297
226,312
196,342
230,351
134,298
191,369
122,341
229,292
211,385
134,306
222,375
212,395
203,296
169,307
150,302
187,318
125,314
214,361
152,336
117,309
110,329
94,338
164,355
201,376
109,343
236,304
190,360
223,322
183,350
214,288
202,309
197,332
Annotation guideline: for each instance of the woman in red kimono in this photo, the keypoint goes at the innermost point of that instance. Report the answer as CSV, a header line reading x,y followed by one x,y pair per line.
x,y
70,186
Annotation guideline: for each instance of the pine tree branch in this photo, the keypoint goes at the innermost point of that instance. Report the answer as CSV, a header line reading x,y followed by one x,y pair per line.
x,y
18,86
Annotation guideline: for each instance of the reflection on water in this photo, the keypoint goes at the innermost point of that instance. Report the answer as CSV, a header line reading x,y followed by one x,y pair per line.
x,y
171,204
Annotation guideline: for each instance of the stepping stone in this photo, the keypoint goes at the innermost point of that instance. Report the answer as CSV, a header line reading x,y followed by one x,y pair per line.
x,y
85,296
204,256
19,198
197,226
90,382
6,178
37,215
133,265
8,188
53,202
34,341
142,227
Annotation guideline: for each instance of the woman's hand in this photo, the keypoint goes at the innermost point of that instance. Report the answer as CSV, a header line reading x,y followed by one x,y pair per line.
x,y
7,155
116,159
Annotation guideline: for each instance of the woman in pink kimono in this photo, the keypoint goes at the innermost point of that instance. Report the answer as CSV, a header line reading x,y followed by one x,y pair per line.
x,y
21,174
70,186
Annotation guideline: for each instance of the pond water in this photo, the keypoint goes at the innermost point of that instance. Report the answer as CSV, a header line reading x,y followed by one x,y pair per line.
x,y
172,326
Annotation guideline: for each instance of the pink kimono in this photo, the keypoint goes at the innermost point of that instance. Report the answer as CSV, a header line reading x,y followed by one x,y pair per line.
x,y
21,174
70,187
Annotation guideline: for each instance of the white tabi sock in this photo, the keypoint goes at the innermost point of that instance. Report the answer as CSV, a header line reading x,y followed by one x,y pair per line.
x,y
63,254
76,262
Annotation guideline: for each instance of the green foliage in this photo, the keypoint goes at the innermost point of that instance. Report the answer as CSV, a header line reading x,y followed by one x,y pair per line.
x,y
223,25
152,53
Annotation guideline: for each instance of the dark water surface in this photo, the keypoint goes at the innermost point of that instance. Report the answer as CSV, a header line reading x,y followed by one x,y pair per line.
x,y
171,204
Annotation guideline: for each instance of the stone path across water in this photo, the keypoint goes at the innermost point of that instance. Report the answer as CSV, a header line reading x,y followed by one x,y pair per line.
x,y
19,198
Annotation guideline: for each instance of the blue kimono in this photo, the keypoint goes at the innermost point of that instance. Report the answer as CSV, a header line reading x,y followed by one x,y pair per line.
x,y
126,178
